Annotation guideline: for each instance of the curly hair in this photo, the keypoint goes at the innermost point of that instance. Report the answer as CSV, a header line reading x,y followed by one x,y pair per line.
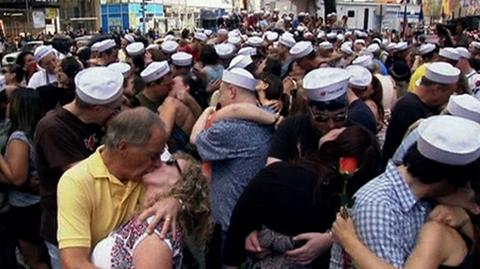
x,y
193,189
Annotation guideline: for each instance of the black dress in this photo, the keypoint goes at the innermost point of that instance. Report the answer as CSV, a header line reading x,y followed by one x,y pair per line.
x,y
281,198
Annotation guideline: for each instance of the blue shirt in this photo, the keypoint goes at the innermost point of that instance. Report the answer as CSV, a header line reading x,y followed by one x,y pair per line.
x,y
383,69
407,142
237,150
387,217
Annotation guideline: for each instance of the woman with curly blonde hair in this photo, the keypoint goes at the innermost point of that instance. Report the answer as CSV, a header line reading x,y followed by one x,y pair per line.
x,y
130,246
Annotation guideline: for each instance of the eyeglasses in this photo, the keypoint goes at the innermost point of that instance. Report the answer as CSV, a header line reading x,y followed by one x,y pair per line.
x,y
174,161
322,117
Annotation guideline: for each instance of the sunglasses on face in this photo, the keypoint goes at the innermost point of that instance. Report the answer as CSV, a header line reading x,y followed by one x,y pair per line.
x,y
174,162
323,117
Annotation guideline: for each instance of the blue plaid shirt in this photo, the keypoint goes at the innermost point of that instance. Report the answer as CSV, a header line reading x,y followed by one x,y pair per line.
x,y
387,216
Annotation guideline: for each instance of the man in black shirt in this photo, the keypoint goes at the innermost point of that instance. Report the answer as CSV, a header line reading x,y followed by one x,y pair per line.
x,y
433,92
328,109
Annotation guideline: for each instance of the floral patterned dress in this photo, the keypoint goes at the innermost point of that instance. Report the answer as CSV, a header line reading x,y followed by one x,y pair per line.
x,y
117,249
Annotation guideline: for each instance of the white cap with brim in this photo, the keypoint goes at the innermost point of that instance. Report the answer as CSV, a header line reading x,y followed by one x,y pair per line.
x,y
346,48
94,47
240,61
475,45
359,41
457,144
401,46
106,45
129,38
287,40
374,48
325,45
41,52
301,49
326,84
182,59
255,41
321,35
465,106
155,71
135,48
391,46
225,50
240,78
340,37
235,40
360,77
449,53
99,85
169,46
200,36
208,32
123,68
463,52
443,73
222,31
426,48
248,51
272,36
364,60
331,36
169,38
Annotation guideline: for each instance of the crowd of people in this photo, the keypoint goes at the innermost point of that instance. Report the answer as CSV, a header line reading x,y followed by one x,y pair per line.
x,y
271,142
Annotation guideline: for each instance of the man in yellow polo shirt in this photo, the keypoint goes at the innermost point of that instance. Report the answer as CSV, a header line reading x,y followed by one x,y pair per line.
x,y
102,191
428,53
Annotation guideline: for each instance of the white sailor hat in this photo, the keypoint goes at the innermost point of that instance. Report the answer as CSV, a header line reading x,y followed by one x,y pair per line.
x,y
153,47
340,37
401,46
182,59
300,28
465,106
385,43
331,35
346,48
301,14
235,40
364,60
301,49
475,45
234,32
129,38
426,48
442,72
377,40
255,41
169,37
41,52
359,41
287,18
373,48
449,53
224,50
200,30
287,40
106,45
99,85
240,78
248,51
240,61
155,71
463,52
362,34
391,46
348,33
169,46
276,10
208,32
459,144
135,48
3,83
321,34
255,33
360,77
123,68
95,46
272,36
200,36
325,84
325,45
222,31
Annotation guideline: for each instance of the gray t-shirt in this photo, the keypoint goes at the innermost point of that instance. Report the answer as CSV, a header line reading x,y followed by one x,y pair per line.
x,y
18,198
237,150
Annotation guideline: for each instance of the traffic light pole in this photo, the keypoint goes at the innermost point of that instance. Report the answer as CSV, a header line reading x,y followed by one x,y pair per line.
x,y
144,31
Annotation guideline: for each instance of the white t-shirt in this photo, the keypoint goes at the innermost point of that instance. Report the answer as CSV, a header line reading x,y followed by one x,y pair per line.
x,y
40,78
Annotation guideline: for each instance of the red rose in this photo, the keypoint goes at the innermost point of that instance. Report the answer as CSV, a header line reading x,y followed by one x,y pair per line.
x,y
477,83
348,165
